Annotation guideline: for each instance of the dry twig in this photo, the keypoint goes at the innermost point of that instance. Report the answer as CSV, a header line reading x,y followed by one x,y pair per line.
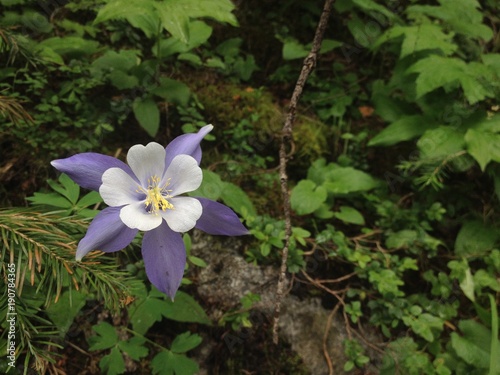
x,y
287,143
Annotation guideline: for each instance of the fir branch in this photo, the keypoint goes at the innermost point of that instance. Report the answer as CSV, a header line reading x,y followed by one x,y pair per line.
x,y
287,143
43,248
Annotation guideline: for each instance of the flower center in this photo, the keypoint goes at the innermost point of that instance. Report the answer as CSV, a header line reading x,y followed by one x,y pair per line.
x,y
156,196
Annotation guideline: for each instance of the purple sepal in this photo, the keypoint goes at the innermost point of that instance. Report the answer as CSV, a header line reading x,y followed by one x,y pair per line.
x,y
219,219
164,258
188,144
106,233
86,169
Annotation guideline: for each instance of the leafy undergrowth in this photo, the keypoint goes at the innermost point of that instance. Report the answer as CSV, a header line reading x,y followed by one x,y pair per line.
x,y
394,176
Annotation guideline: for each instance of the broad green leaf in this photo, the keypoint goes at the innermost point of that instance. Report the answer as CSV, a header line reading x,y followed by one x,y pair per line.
x,y
346,180
403,129
440,142
147,114
483,279
233,196
147,21
113,363
185,309
474,345
185,342
486,122
462,15
483,146
63,312
168,363
211,186
199,31
306,197
173,91
437,71
292,49
370,5
106,337
122,80
419,38
117,9
219,10
475,239
70,45
350,215
174,19
123,60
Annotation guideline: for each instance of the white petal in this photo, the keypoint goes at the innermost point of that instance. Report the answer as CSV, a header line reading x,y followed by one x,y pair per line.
x,y
146,161
183,217
118,188
183,174
135,216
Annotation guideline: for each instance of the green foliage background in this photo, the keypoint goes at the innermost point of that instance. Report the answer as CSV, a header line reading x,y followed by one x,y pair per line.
x,y
395,179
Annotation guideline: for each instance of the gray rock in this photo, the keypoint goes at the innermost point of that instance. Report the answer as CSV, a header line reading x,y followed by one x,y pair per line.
x,y
303,323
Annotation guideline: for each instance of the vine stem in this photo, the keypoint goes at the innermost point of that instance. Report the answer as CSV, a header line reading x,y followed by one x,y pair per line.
x,y
287,143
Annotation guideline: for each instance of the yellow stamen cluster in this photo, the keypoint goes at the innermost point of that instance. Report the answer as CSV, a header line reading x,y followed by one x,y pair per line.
x,y
156,196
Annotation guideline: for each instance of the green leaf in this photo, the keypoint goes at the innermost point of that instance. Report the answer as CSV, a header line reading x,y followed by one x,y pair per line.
x,y
292,49
370,5
113,363
175,14
106,337
89,199
211,186
403,238
147,114
467,285
173,91
65,310
474,346
419,38
475,239
403,129
68,188
145,311
306,197
233,196
199,31
197,261
134,348
50,199
185,309
483,146
350,215
440,142
69,45
462,15
168,363
117,9
437,71
346,180
425,325
185,342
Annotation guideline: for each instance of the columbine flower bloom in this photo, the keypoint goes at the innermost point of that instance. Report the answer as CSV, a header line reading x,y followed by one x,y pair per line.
x,y
145,195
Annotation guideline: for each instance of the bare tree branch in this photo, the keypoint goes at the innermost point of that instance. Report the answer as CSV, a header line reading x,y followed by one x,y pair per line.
x,y
286,143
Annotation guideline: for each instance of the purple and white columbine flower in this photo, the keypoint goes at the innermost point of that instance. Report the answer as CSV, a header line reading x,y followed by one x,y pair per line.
x,y
145,195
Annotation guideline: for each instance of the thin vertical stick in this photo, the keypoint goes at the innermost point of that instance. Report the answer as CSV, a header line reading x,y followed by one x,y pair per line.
x,y
286,142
